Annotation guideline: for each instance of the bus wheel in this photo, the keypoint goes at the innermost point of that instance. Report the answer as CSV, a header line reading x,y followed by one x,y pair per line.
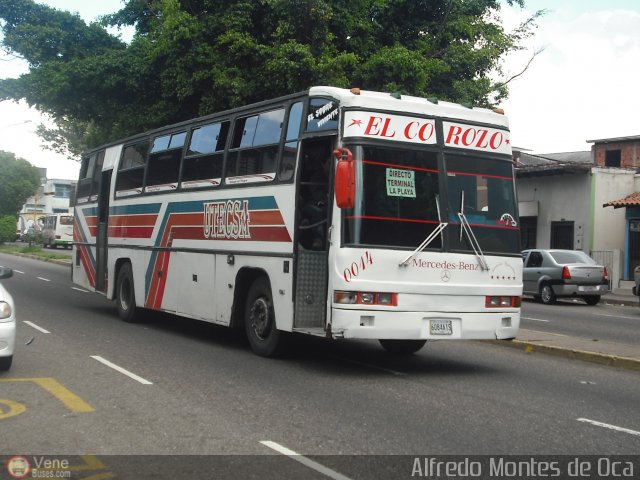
x,y
5,363
125,294
260,321
402,347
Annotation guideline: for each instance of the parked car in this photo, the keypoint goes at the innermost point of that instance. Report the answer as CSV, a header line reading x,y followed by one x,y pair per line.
x,y
549,274
7,323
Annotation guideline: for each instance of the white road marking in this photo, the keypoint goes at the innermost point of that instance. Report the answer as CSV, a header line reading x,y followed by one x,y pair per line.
x,y
535,319
121,370
43,279
80,289
610,427
307,462
614,316
33,325
18,271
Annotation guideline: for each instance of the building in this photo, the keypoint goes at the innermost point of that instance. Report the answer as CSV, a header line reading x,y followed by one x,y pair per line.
x,y
623,153
53,196
562,199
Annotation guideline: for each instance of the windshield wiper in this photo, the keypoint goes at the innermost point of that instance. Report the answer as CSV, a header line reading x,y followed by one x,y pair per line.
x,y
438,230
464,226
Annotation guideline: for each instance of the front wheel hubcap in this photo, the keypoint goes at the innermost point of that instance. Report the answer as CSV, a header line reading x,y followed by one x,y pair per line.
x,y
260,318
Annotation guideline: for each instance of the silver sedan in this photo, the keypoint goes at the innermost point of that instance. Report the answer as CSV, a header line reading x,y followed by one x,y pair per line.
x,y
549,274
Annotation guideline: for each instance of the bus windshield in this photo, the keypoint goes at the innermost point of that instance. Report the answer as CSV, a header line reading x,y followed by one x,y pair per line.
x,y
398,194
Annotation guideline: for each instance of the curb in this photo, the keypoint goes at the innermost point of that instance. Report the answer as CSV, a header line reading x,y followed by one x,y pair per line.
x,y
573,354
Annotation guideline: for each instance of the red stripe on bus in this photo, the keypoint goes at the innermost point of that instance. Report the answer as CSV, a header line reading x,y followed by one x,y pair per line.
x,y
392,219
404,167
132,220
266,217
481,175
130,232
482,225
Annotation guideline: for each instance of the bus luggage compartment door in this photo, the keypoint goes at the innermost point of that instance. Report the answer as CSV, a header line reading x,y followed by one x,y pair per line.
x,y
311,289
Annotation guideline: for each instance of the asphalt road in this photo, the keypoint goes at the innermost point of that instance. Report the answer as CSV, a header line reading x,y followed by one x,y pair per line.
x,y
615,323
83,382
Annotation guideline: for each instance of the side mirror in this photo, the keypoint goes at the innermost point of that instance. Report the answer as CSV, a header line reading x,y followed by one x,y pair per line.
x,y
345,180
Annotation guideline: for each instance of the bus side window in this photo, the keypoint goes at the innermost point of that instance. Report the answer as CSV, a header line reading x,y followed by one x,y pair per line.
x,y
257,139
131,169
89,181
202,165
288,162
163,166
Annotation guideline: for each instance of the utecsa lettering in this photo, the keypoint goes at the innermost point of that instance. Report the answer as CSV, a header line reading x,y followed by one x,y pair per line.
x,y
228,219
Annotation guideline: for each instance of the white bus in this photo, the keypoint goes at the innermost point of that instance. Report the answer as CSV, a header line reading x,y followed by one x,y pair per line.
x,y
57,230
332,212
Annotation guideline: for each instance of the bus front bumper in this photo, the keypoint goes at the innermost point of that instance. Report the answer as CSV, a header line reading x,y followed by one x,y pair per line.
x,y
369,324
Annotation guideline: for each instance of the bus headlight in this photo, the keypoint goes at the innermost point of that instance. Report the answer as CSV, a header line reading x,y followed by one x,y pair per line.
x,y
502,302
5,310
365,298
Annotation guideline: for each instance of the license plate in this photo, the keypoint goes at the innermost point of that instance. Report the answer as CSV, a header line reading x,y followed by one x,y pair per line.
x,y
440,327
588,289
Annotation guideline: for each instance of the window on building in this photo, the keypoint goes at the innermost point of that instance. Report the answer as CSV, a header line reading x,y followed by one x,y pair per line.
x,y
612,158
562,235
62,190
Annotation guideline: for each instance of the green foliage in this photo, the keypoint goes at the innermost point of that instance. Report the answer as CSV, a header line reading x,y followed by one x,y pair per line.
x,y
193,57
19,181
7,228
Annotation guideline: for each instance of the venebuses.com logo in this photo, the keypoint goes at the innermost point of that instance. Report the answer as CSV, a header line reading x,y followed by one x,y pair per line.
x,y
18,467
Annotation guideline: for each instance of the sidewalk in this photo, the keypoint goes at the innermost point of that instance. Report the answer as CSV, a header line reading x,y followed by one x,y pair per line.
x,y
576,348
585,349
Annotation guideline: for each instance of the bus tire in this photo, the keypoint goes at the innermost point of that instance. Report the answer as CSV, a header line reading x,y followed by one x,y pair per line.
x,y
125,295
5,363
260,321
402,347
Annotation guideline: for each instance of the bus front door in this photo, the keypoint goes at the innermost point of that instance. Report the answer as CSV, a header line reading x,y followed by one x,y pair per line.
x,y
312,246
102,232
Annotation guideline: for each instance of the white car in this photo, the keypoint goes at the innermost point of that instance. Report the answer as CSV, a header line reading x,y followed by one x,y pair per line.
x,y
7,323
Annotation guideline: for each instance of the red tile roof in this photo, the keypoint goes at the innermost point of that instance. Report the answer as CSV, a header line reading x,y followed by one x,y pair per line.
x,y
631,200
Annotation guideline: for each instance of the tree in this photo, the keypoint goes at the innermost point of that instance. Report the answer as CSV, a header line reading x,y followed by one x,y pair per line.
x,y
7,228
19,181
193,57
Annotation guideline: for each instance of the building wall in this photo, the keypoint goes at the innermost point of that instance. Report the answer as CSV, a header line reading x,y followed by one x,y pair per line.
x,y
629,153
559,198
609,223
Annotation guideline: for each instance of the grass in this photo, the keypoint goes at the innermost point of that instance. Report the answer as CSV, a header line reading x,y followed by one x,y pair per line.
x,y
35,250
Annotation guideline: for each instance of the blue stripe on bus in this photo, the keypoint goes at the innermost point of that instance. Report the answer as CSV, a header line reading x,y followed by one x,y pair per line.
x,y
135,209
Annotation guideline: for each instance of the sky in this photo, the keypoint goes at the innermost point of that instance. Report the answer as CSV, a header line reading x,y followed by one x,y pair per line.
x,y
582,85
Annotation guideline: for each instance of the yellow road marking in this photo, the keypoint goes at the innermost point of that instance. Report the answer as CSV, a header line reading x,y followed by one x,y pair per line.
x,y
15,408
55,388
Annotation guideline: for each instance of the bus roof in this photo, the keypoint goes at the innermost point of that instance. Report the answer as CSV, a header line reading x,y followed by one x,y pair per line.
x,y
367,99
406,103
